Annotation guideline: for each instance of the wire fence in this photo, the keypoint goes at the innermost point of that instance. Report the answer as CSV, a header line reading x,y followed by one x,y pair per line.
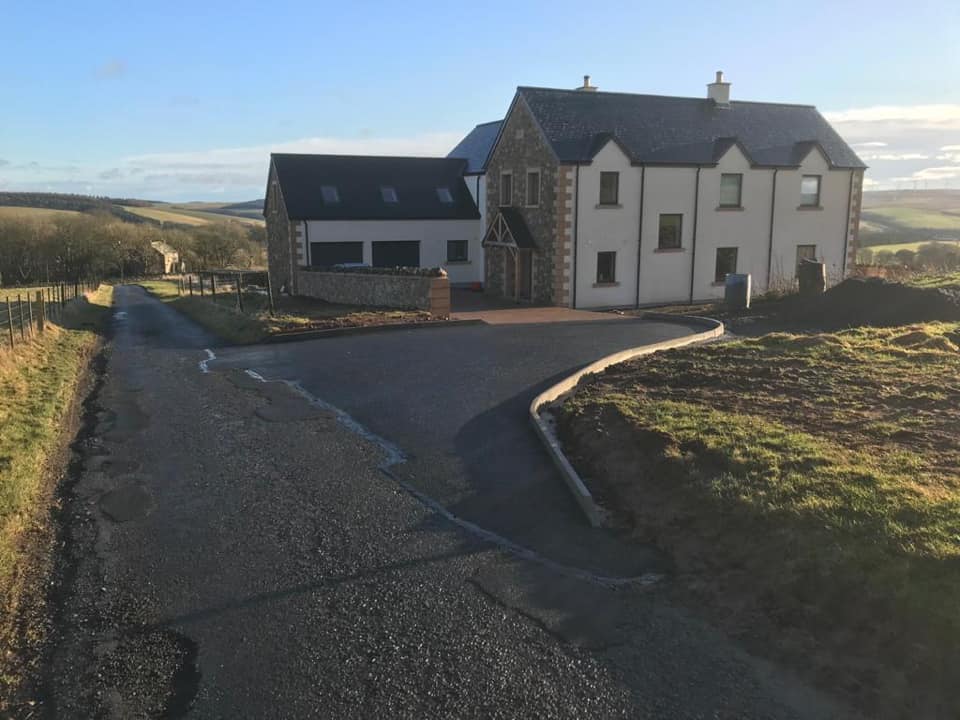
x,y
26,312
247,291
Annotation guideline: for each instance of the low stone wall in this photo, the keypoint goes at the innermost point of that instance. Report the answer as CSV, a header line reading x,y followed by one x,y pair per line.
x,y
405,292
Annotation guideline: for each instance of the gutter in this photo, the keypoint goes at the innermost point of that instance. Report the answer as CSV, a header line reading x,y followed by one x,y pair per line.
x,y
643,178
576,226
773,205
693,243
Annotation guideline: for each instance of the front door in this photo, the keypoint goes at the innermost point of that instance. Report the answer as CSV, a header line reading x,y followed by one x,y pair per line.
x,y
525,274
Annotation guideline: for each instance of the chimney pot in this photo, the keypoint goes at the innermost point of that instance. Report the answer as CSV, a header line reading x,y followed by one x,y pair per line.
x,y
719,90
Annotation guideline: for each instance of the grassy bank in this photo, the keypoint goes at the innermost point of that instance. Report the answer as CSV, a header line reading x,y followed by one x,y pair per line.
x,y
38,382
808,487
219,315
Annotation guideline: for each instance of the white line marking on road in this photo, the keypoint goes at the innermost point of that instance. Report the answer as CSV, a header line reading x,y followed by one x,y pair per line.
x,y
395,456
203,363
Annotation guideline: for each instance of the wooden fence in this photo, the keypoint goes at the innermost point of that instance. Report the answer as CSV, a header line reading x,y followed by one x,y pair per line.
x,y
235,285
25,313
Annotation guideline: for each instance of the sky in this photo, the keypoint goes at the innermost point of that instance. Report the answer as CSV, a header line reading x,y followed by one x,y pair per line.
x,y
185,100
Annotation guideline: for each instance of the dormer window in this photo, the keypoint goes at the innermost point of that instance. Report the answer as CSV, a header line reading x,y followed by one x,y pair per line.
x,y
329,194
389,194
446,197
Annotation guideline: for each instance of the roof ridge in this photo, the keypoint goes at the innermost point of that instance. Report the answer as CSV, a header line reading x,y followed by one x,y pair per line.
x,y
365,157
489,122
664,97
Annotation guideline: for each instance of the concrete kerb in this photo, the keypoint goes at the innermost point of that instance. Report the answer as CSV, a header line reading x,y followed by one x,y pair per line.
x,y
544,427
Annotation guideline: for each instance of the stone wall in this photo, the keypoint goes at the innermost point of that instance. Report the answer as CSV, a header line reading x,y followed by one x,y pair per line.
x,y
853,227
406,292
280,232
522,147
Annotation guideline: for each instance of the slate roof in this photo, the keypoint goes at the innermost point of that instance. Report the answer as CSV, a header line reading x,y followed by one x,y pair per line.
x,y
475,147
358,179
518,227
656,129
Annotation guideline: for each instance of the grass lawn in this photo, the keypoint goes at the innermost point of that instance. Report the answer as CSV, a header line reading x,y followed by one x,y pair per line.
x,y
943,281
38,382
808,488
220,316
910,217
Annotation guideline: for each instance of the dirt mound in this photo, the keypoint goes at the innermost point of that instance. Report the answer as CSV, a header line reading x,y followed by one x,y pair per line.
x,y
872,301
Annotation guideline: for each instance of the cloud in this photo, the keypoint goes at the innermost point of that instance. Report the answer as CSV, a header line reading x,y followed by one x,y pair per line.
x,y
945,172
247,166
237,172
868,156
872,144
870,184
951,148
112,69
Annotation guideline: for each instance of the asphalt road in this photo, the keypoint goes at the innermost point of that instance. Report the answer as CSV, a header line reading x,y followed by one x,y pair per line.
x,y
454,401
232,549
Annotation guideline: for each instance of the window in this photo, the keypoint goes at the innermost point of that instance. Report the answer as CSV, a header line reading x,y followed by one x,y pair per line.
x,y
810,191
329,194
533,188
670,229
506,189
446,197
606,268
389,194
328,254
726,263
456,251
805,252
731,185
609,188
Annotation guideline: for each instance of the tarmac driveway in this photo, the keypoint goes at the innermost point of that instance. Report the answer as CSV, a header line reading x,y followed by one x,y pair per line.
x,y
454,400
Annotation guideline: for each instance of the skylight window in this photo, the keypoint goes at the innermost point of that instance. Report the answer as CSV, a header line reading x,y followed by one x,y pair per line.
x,y
446,197
329,194
389,194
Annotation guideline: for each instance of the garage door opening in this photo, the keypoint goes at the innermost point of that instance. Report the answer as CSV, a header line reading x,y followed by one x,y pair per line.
x,y
328,254
396,253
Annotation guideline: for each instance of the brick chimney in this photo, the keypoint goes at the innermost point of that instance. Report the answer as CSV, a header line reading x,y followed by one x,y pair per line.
x,y
719,91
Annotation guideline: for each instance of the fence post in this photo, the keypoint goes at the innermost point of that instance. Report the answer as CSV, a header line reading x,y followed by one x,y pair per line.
x,y
30,315
239,292
23,330
190,284
269,294
213,287
41,317
200,278
10,321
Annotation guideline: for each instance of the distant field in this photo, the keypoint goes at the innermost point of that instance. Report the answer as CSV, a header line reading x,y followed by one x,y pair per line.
x,y
194,210
166,216
913,246
34,213
909,217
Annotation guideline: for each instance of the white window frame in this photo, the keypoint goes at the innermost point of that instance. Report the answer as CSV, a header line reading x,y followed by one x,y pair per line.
x,y
466,244
816,203
739,203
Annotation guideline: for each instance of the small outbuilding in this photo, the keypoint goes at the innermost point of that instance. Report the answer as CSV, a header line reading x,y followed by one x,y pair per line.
x,y
327,210
164,260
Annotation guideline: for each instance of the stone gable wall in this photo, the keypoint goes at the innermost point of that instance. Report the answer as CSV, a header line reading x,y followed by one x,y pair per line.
x,y
522,147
